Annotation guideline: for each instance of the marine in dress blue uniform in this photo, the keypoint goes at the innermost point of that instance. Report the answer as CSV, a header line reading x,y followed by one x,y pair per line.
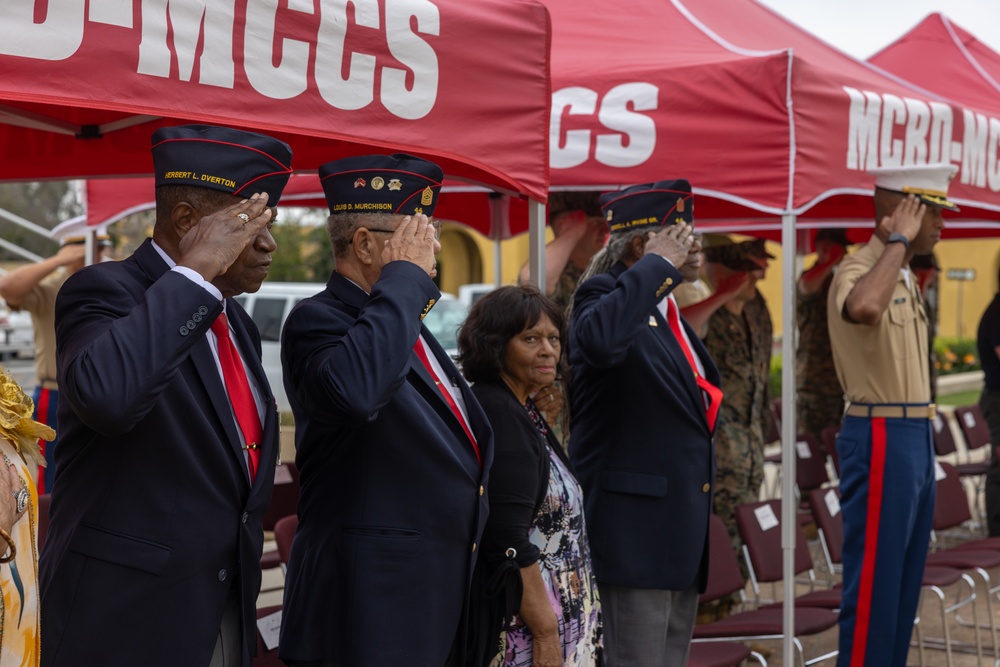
x,y
392,447
153,550
643,414
878,333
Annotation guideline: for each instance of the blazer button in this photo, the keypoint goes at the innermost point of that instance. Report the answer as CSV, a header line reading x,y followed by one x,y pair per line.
x,y
202,310
705,488
183,331
222,575
191,325
245,517
196,317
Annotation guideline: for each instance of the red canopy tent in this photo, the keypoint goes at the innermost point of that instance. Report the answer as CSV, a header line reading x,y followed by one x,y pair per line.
x,y
83,85
941,56
762,117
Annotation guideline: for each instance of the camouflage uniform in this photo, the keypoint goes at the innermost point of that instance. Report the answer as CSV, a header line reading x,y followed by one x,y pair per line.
x,y
740,345
820,396
568,279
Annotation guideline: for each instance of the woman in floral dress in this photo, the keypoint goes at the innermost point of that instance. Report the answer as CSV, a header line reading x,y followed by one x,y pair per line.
x,y
509,347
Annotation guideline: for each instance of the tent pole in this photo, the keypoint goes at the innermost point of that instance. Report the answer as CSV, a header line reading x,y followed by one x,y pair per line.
x,y
536,236
499,223
789,522
497,260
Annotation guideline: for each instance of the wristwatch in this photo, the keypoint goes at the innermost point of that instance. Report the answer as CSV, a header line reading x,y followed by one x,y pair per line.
x,y
896,237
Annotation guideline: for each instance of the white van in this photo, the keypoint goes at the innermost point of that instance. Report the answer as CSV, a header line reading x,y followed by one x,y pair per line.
x,y
270,305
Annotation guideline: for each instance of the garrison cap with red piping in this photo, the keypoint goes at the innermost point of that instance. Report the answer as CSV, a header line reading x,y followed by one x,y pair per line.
x,y
396,184
649,205
222,158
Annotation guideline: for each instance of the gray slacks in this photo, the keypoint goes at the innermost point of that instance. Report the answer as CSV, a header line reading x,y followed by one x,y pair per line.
x,y
229,645
647,627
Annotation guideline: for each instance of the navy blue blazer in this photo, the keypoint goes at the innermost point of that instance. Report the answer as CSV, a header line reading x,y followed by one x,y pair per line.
x,y
641,446
153,517
393,498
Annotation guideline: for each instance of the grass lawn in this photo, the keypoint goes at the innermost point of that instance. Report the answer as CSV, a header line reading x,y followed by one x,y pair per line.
x,y
960,399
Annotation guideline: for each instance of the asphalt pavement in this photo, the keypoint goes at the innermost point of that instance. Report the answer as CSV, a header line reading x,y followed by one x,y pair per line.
x,y
23,371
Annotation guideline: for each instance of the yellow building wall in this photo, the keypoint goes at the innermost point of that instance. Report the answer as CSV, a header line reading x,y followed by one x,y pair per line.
x,y
456,272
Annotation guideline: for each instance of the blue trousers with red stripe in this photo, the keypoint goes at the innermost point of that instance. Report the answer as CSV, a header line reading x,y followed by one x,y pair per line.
x,y
46,408
887,498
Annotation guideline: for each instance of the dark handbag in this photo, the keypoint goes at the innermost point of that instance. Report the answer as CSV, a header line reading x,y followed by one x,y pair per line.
x,y
495,601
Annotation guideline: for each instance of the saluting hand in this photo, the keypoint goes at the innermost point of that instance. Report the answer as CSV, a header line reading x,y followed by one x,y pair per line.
x,y
71,254
672,242
413,241
906,218
212,245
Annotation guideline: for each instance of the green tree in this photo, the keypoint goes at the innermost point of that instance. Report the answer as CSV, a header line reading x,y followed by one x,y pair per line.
x,y
287,263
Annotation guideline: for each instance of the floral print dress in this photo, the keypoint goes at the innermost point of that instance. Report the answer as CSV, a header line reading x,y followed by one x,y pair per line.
x,y
560,534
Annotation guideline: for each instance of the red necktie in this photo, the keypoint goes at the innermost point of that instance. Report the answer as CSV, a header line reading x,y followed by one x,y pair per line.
x,y
714,393
449,399
240,395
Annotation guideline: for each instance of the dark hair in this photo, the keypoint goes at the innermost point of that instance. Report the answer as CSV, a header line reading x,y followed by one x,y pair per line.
x,y
494,320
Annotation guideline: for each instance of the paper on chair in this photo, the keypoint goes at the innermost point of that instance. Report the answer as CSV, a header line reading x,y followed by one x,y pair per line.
x,y
270,628
832,502
765,517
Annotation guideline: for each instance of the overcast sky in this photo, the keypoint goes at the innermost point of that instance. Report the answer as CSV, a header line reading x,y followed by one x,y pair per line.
x,y
863,27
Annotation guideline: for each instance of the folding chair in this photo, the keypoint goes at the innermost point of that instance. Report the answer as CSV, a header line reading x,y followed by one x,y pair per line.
x,y
973,472
284,501
759,525
265,657
773,435
951,509
975,431
810,464
725,578
722,654
825,504
284,533
944,440
829,438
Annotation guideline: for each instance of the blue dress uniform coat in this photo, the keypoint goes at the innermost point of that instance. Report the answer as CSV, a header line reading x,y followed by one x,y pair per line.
x,y
393,501
641,444
153,516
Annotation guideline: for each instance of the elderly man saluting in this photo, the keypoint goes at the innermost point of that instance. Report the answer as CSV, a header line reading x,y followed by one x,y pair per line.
x,y
645,396
169,433
878,333
392,446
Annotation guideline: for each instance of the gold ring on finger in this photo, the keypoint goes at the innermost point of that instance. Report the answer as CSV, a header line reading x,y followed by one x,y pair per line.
x,y
244,217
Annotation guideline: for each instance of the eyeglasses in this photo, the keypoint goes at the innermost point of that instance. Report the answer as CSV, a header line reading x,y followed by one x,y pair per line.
x,y
434,223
